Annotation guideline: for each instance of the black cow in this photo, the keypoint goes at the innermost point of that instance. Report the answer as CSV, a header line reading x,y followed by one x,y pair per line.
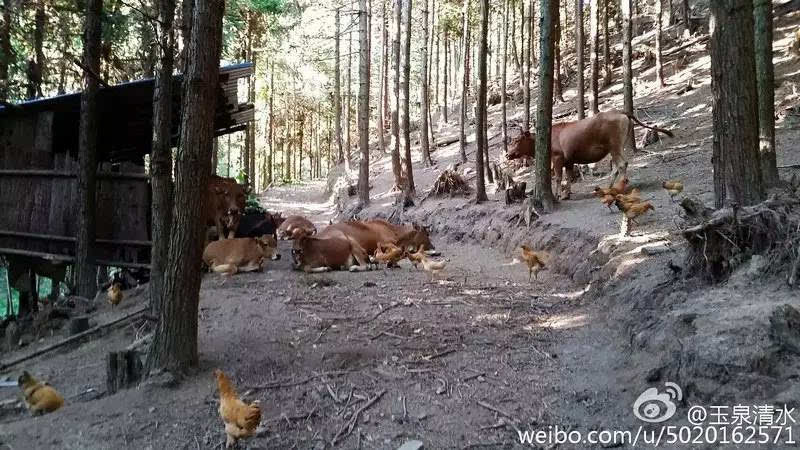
x,y
257,224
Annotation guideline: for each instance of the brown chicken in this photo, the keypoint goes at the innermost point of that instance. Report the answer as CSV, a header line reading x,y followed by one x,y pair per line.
x,y
434,267
389,254
618,188
673,187
416,258
536,260
114,293
607,200
634,210
40,398
632,197
241,420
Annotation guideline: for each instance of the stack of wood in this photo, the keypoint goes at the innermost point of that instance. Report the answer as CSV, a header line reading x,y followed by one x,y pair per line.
x,y
450,183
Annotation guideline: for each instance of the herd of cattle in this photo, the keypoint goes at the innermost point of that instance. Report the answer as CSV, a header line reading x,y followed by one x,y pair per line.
x,y
246,241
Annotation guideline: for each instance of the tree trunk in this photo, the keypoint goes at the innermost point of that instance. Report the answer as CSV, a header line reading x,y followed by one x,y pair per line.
x,y
363,103
174,346
528,57
444,75
36,67
87,158
659,33
161,157
504,77
6,55
606,44
580,104
558,84
271,138
396,168
765,73
436,65
424,95
337,92
409,188
685,10
594,104
347,104
462,141
383,87
542,190
514,55
480,120
627,67
737,171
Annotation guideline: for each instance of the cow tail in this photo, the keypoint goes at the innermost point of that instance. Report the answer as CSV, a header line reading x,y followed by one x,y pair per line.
x,y
657,129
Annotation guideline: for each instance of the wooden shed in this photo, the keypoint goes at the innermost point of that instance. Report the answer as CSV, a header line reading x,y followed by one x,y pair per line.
x,y
38,169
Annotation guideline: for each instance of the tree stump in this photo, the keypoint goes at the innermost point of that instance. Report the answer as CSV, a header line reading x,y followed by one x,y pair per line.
x,y
78,325
123,370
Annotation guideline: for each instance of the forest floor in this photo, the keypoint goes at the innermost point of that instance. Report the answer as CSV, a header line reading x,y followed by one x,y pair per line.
x,y
465,360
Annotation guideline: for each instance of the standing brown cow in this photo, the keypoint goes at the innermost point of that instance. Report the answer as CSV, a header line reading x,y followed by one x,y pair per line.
x,y
224,205
584,142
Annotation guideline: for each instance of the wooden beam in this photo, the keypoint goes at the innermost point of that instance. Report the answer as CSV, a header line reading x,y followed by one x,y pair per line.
x,y
68,259
63,342
51,237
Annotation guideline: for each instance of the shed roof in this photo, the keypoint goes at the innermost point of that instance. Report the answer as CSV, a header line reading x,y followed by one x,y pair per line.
x,y
126,115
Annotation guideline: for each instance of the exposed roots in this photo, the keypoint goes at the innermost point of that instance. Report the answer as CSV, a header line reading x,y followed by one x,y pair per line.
x,y
721,240
450,183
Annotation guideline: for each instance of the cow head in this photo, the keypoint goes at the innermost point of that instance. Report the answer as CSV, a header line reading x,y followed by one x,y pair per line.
x,y
299,248
277,218
415,239
521,147
270,246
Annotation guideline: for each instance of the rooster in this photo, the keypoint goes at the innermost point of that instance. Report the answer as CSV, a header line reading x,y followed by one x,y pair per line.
x,y
535,260
634,210
617,188
241,420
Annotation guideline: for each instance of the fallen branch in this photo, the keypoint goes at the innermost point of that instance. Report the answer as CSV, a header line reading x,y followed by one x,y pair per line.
x,y
438,355
392,306
70,339
790,166
348,427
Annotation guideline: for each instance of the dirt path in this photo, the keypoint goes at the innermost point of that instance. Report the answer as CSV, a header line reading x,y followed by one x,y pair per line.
x,y
314,348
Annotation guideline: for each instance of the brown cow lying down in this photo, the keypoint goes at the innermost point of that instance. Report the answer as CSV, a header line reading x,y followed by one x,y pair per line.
x,y
224,205
584,142
229,256
337,251
286,230
371,233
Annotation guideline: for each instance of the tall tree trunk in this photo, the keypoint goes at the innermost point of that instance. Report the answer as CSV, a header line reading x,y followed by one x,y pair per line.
x,y
446,69
174,346
558,83
737,170
594,49
542,189
580,104
161,157
363,103
424,95
271,138
685,10
659,33
6,55
514,55
87,157
528,45
36,67
627,67
765,73
396,168
337,92
347,103
464,84
606,44
406,125
383,84
437,36
480,120
504,77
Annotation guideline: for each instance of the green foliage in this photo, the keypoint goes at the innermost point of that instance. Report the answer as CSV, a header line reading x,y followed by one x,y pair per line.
x,y
4,295
252,205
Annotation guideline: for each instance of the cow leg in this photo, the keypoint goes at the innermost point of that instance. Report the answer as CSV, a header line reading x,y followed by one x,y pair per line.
x,y
558,169
566,190
220,230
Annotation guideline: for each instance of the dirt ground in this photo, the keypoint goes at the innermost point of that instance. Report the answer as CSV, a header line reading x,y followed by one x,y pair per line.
x,y
466,360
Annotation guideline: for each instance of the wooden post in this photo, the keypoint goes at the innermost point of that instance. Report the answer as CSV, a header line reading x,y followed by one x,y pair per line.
x,y
123,370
